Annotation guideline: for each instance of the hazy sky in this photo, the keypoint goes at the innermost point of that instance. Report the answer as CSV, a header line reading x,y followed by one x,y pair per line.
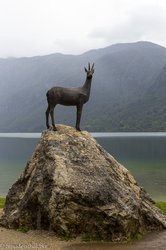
x,y
38,27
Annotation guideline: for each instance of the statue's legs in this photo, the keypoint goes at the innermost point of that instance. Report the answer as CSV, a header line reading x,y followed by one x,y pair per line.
x,y
79,112
52,117
47,117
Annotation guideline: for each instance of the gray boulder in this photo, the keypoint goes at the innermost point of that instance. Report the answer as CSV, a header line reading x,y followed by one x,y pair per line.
x,y
74,187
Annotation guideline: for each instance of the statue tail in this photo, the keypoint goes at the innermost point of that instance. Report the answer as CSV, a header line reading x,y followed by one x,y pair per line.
x,y
47,95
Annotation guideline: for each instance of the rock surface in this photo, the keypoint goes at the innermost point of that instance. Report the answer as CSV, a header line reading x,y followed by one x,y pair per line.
x,y
74,187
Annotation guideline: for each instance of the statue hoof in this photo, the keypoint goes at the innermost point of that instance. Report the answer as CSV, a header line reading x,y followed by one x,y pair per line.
x,y
78,129
54,128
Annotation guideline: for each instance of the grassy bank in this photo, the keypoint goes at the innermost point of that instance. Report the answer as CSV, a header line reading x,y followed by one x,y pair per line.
x,y
2,202
159,204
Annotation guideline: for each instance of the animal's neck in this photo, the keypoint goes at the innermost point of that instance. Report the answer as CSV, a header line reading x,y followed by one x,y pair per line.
x,y
87,86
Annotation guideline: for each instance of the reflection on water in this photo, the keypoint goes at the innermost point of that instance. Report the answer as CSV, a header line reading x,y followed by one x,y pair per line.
x,y
14,153
144,156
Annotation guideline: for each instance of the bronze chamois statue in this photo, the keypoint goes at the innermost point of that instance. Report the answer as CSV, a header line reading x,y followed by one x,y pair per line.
x,y
69,97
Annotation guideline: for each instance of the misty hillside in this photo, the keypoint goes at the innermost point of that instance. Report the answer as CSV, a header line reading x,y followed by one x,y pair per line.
x,y
128,89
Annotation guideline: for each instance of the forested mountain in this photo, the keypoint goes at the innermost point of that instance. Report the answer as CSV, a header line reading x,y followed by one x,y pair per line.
x,y
149,112
128,89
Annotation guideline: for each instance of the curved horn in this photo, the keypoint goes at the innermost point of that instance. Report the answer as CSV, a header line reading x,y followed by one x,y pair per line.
x,y
92,66
89,66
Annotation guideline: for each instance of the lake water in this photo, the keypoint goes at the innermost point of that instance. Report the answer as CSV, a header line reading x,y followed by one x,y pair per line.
x,y
144,154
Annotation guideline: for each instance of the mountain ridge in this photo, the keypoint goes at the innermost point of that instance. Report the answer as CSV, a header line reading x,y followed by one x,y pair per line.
x,y
125,75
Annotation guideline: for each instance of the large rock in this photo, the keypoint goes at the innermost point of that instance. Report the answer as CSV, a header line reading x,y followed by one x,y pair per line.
x,y
74,187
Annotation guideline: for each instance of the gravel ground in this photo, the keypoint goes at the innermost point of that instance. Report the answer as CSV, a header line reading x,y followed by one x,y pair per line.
x,y
153,241
12,239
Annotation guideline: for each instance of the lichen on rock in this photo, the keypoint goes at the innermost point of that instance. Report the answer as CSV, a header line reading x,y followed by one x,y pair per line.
x,y
74,187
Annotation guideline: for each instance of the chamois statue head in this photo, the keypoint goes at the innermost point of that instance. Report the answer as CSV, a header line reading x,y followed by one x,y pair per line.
x,y
90,71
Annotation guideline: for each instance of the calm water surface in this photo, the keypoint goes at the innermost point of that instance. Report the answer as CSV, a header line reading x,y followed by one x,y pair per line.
x,y
144,154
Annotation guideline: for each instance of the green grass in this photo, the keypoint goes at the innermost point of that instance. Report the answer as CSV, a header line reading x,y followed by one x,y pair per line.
x,y
161,205
23,229
2,202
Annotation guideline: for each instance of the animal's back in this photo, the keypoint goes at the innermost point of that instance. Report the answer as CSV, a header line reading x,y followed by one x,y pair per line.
x,y
64,96
53,94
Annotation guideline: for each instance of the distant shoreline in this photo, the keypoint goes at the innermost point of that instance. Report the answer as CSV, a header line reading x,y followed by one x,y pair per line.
x,y
94,134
